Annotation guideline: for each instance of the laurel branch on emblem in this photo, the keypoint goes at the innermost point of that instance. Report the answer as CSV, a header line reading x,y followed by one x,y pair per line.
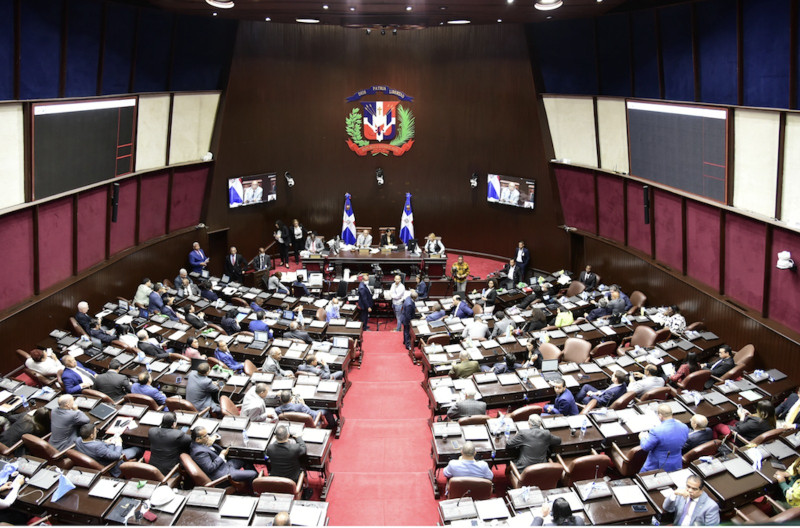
x,y
399,145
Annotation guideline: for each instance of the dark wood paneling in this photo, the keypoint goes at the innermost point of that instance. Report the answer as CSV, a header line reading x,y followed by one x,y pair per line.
x,y
475,107
697,302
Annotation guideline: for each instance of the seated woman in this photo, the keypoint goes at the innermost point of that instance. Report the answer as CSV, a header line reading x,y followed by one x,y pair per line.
x,y
10,488
223,354
193,350
433,245
36,424
537,321
562,515
45,363
691,365
750,425
534,357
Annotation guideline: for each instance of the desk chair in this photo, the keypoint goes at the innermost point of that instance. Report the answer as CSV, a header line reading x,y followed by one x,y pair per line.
x,y
40,379
752,514
746,356
577,350
168,284
142,399
238,301
708,449
279,485
697,326
637,300
583,468
214,362
81,460
78,329
643,336
544,476
662,335
10,451
197,477
478,488
249,367
142,471
659,393
176,403
575,288
522,414
39,447
695,381
733,374
762,438
550,351
606,348
475,419
620,403
321,314
103,397
178,357
628,462
303,418
217,327
228,407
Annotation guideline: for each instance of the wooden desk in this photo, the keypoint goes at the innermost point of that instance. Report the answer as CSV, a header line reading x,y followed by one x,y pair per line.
x,y
162,518
78,507
731,492
265,519
609,511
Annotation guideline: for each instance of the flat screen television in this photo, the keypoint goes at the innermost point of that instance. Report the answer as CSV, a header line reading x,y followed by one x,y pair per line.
x,y
509,190
252,190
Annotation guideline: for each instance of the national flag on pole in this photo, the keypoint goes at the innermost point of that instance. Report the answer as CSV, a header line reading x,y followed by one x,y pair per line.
x,y
494,187
407,221
348,222
235,191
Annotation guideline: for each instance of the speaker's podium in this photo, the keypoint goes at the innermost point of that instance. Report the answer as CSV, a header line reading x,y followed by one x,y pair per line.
x,y
254,278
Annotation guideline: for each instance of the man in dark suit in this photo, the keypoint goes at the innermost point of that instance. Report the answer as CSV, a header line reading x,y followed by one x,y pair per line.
x,y
149,347
75,376
700,432
789,409
201,391
211,458
466,407
284,454
588,278
106,452
234,265
522,257
261,261
65,422
533,443
197,258
112,383
103,337
513,272
156,300
407,312
564,402
83,317
365,301
295,333
604,397
720,366
167,443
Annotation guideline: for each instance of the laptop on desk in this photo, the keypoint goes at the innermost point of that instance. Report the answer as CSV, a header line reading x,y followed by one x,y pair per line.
x,y
550,370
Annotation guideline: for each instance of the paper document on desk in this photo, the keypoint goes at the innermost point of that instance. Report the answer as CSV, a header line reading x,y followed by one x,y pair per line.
x,y
238,506
475,432
303,515
353,324
679,477
576,421
522,518
176,336
607,330
464,384
539,383
571,497
491,509
751,395
107,488
328,386
643,422
315,436
305,391
570,381
632,494
124,320
444,395
612,429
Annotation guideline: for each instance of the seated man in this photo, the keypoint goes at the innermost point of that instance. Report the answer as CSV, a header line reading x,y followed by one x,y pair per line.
x,y
103,336
271,364
212,458
612,304
275,285
224,355
143,386
75,376
142,296
150,346
332,310
65,422
300,285
664,442
319,368
295,333
436,314
466,407
229,322
156,302
720,366
641,383
284,454
104,452
206,291
112,383
691,505
604,397
182,276
201,391
477,330
465,367
513,275
364,239
564,402
461,309
186,288
167,443
292,403
503,324
168,310
533,443
423,287
700,433
83,317
467,466
509,364
260,325
254,406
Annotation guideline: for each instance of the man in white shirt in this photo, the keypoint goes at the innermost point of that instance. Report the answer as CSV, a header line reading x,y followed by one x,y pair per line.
x,y
467,466
641,383
332,310
254,193
692,506
510,194
254,407
397,293
476,330
364,240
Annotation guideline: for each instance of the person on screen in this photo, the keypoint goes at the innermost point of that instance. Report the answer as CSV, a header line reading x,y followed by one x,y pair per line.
x,y
254,193
510,194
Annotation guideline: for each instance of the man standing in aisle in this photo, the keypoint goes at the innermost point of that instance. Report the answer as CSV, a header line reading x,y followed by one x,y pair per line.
x,y
522,258
364,300
460,272
407,312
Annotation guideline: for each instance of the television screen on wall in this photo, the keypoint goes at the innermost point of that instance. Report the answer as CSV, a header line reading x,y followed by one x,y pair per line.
x,y
510,190
252,190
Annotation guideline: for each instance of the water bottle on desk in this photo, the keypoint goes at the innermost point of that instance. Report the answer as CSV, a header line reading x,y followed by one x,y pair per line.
x,y
584,424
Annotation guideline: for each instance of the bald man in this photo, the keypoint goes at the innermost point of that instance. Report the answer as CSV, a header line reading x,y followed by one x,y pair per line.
x,y
664,442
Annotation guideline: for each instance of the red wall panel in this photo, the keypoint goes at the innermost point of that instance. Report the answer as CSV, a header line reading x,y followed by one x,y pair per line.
x,y
576,188
55,242
669,228
92,211
702,243
638,231
153,206
784,301
123,231
16,236
612,212
188,190
745,242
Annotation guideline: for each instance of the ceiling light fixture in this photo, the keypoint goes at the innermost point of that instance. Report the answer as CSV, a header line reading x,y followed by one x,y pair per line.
x,y
325,6
369,31
307,20
458,22
510,1
499,20
352,9
547,5
221,4
409,8
394,32
268,19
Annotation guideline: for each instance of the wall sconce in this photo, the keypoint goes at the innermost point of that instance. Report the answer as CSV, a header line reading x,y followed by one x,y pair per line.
x,y
379,176
473,182
289,179
785,261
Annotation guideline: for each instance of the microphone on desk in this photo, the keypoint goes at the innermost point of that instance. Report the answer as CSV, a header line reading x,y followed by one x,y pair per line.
x,y
665,460
464,495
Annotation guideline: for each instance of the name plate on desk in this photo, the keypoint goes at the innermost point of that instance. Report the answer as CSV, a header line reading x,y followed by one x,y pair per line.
x,y
363,251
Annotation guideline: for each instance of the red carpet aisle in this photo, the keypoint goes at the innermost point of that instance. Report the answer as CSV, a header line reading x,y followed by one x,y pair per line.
x,y
382,458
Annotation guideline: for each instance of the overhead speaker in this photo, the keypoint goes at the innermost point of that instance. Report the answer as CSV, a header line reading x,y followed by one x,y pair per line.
x,y
115,203
646,200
